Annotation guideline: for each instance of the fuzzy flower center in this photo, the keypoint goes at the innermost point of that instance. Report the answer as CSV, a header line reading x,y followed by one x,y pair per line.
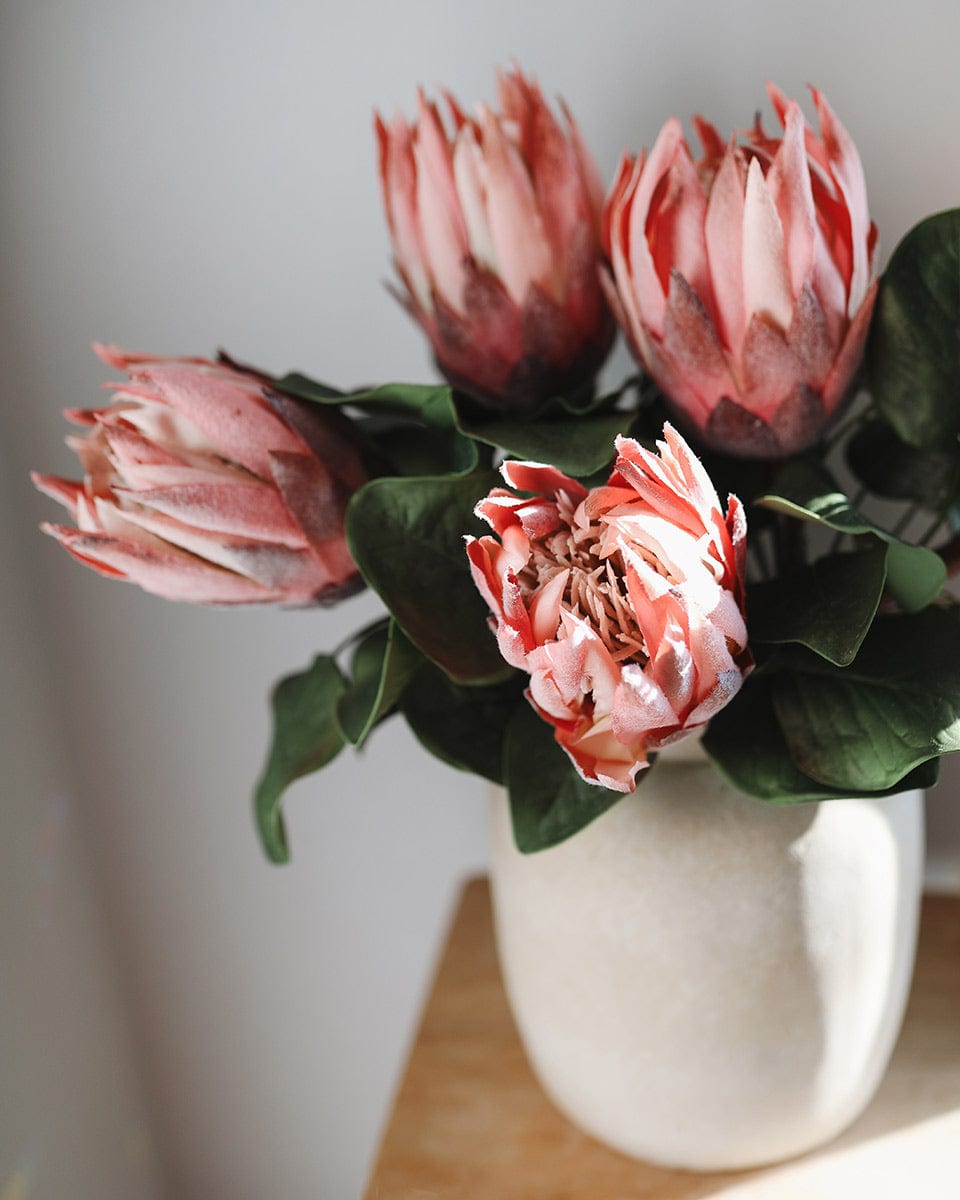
x,y
596,584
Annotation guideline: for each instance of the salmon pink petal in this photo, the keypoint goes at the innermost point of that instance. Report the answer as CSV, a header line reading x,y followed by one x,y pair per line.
x,y
766,284
468,175
172,575
540,478
846,168
723,228
233,418
790,189
650,288
443,232
398,178
850,354
589,175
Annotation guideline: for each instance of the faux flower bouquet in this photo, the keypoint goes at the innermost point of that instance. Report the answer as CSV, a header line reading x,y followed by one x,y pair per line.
x,y
569,579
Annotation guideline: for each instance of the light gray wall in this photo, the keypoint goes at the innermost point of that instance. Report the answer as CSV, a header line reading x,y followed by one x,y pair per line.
x,y
181,175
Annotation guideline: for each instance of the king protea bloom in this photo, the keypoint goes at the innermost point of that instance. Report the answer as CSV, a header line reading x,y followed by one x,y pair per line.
x,y
201,484
625,604
745,281
496,237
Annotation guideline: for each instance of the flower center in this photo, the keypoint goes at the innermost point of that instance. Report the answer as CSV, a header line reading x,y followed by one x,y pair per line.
x,y
596,587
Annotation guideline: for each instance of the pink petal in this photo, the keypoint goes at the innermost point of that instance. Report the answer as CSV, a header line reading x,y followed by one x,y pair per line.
x,y
724,246
789,185
675,227
850,354
650,287
766,284
590,176
771,370
515,224
231,413
64,491
691,344
443,233
171,574
847,170
251,510
540,478
467,171
398,181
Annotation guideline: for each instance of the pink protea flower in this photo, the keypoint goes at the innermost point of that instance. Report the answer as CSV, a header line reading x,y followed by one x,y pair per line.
x,y
625,604
496,237
745,281
201,484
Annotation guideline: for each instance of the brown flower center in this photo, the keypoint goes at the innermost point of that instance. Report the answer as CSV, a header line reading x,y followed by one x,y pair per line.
x,y
596,588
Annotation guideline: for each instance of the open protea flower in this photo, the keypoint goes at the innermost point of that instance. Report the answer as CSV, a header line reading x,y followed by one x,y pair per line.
x,y
625,603
745,281
201,484
495,230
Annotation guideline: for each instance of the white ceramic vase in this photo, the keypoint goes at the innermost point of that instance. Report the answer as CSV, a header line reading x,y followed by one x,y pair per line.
x,y
705,981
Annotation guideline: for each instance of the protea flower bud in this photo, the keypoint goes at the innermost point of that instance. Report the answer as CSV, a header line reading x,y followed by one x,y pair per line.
x,y
745,281
625,603
495,232
201,484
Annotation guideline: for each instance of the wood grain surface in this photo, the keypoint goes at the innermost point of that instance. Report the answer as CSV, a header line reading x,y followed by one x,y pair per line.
x,y
470,1121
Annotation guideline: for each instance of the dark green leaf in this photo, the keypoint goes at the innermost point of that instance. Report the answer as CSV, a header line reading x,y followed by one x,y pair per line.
x,y
749,750
549,802
306,737
806,490
430,403
382,666
827,606
406,536
415,449
891,468
305,388
462,726
576,447
914,349
897,706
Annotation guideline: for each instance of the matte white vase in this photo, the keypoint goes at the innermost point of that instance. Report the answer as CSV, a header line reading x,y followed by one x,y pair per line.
x,y
705,981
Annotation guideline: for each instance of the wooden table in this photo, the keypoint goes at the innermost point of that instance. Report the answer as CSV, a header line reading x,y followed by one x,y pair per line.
x,y
471,1123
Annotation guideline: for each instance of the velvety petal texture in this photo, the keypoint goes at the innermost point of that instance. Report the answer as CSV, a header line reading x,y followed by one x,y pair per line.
x,y
745,281
495,225
202,484
624,603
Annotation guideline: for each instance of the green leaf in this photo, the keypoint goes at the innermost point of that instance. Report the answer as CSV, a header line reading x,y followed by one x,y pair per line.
x,y
897,706
414,449
913,353
749,750
806,490
432,404
406,536
462,726
382,666
577,447
306,737
827,607
549,802
891,468
305,388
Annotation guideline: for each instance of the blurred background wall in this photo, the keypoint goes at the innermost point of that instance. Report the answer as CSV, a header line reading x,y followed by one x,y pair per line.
x,y
177,176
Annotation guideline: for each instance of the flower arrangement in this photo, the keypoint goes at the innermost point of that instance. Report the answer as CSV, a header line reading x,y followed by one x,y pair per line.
x,y
574,578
